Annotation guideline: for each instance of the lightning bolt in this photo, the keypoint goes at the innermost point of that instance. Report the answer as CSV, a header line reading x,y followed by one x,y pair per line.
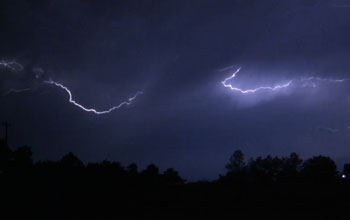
x,y
304,82
17,67
11,65
252,90
130,100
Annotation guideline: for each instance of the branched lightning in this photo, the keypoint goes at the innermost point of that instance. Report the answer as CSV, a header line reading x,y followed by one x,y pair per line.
x,y
130,100
304,82
252,90
11,65
14,66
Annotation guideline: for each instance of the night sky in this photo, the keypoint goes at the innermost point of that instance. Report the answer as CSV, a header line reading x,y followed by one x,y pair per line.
x,y
177,53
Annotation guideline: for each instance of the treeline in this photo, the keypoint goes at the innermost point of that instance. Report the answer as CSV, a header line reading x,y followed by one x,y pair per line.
x,y
318,169
69,189
19,163
270,169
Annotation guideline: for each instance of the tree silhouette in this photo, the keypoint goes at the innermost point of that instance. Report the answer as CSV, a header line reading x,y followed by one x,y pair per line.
x,y
319,169
265,169
236,169
151,170
292,163
171,176
290,168
151,175
132,169
236,162
71,161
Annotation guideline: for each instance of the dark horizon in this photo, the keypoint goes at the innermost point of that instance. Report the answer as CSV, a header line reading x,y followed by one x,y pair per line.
x,y
6,125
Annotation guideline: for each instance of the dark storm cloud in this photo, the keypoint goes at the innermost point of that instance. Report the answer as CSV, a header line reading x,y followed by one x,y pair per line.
x,y
105,51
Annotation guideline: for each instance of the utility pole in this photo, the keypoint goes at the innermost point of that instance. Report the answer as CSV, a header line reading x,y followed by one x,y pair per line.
x,y
6,127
